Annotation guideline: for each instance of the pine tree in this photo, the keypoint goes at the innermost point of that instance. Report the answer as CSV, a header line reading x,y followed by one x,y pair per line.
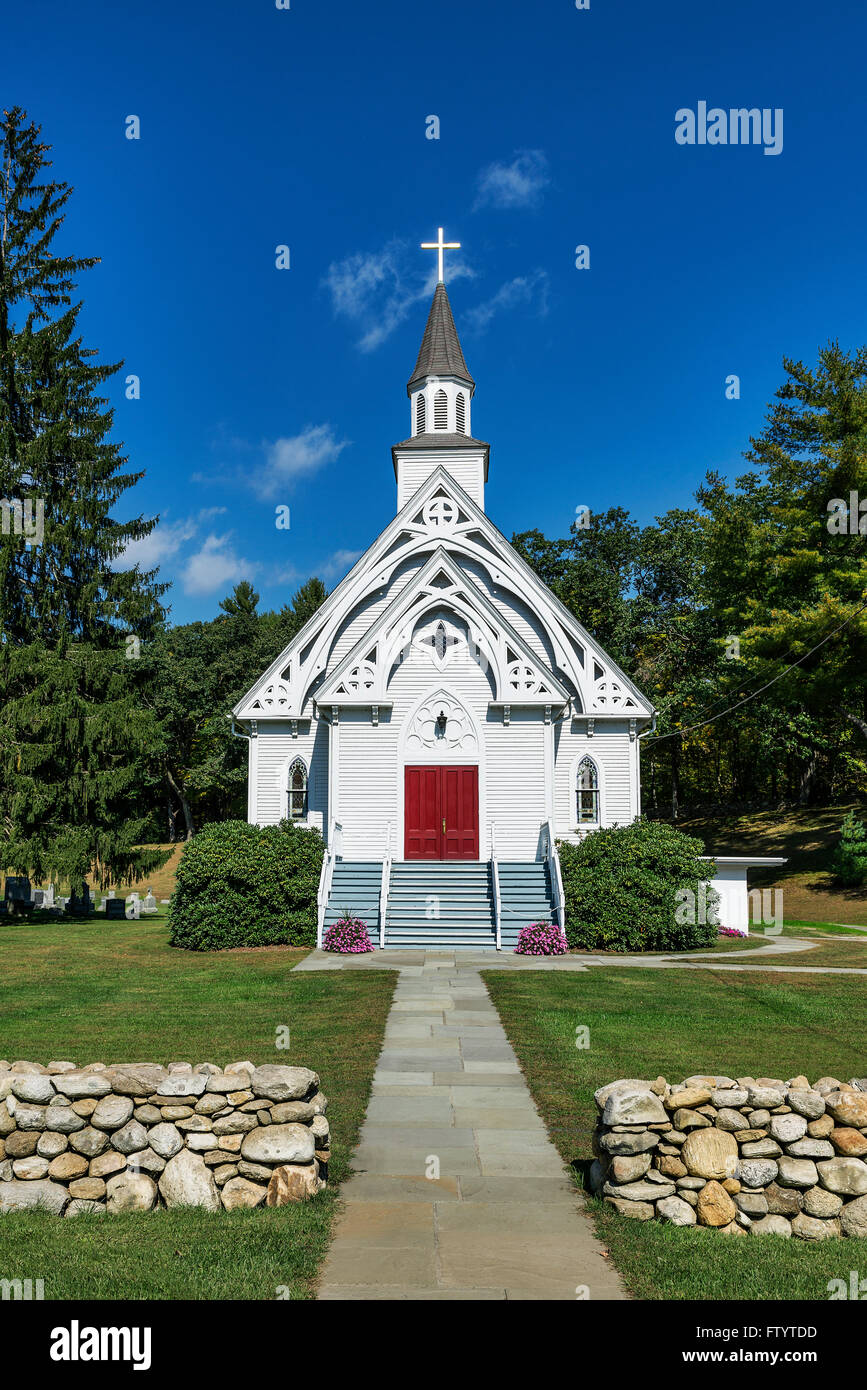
x,y
74,734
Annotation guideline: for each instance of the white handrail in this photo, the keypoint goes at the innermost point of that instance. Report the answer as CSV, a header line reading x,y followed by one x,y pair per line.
x,y
495,877
553,861
384,886
335,835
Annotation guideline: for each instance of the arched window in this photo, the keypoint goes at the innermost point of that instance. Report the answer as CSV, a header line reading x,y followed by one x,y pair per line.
x,y
588,792
298,790
441,411
460,413
419,413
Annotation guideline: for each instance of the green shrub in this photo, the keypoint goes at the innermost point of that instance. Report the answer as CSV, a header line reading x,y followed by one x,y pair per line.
x,y
621,889
246,885
850,857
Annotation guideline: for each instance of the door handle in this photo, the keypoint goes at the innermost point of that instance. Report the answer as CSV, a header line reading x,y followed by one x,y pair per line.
x,y
444,825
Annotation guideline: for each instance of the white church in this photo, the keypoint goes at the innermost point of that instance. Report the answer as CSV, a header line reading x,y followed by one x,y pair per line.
x,y
442,718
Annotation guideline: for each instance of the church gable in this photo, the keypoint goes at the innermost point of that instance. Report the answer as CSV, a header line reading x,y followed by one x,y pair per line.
x,y
413,621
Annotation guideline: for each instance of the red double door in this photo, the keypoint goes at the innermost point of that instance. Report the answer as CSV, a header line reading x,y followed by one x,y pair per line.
x,y
441,813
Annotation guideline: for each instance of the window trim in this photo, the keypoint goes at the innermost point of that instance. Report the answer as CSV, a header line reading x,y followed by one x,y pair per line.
x,y
596,791
297,763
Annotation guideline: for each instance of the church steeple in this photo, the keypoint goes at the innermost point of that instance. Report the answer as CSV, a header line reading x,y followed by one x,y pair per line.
x,y
440,353
440,392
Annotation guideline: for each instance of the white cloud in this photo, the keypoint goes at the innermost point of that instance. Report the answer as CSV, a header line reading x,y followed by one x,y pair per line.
x,y
289,458
515,185
338,564
524,289
161,544
378,290
215,565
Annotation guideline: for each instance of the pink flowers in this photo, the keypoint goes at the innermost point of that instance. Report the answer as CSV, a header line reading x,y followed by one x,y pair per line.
x,y
349,937
541,939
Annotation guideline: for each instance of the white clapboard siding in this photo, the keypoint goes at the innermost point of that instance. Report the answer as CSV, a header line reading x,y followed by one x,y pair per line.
x,y
614,755
468,473
370,763
518,614
275,750
516,781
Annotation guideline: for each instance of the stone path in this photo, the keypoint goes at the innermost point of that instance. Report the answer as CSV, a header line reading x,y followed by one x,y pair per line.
x,y
500,1218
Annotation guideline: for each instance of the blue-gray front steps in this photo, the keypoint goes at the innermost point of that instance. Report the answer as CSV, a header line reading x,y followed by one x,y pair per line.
x,y
448,904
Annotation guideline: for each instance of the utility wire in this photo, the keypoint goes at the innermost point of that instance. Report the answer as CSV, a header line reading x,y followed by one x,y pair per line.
x,y
678,733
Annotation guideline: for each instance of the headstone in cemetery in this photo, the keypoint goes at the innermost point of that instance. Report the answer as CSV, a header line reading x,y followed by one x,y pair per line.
x,y
150,903
133,908
115,909
48,897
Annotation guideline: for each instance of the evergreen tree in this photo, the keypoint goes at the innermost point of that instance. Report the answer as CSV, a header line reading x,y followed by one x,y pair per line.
x,y
75,738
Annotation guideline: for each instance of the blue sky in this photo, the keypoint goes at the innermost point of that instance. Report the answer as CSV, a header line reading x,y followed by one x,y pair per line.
x,y
306,127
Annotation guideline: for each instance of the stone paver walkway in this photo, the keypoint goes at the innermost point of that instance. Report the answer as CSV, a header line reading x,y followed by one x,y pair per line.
x,y
459,1193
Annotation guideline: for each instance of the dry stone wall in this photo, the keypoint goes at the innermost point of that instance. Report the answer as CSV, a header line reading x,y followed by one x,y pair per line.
x,y
740,1155
134,1136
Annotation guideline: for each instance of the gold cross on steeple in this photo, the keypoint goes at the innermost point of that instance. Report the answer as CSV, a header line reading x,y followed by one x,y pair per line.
x,y
439,246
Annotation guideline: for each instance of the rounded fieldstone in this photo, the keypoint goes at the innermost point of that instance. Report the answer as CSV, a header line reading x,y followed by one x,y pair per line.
x,y
131,1138
130,1191
235,1124
78,1084
187,1182
146,1161
810,1148
807,1102
30,1168
731,1098
63,1119
82,1206
87,1189
761,1148
51,1143
808,1228
37,1090
240,1192
715,1206
710,1153
147,1115
796,1172
297,1184
848,1176
848,1108
278,1144
853,1217
851,1143
183,1085
67,1166
139,1079
283,1083
200,1143
24,1196
820,1203
622,1107
165,1139
29,1117
772,1225
782,1201
629,1167
89,1141
677,1211
21,1145
111,1112
105,1165
757,1172
753,1204
787,1129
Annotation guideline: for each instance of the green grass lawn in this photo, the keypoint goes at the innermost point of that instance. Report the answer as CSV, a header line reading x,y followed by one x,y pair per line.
x,y
674,1023
116,992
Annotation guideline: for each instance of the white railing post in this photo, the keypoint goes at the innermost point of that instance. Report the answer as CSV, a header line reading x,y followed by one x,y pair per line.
x,y
495,880
384,886
553,861
325,877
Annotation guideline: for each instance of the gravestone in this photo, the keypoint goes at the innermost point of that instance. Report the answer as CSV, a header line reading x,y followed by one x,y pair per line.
x,y
133,908
115,909
150,903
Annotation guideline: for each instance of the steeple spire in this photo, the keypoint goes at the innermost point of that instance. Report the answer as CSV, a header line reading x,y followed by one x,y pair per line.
x,y
440,354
